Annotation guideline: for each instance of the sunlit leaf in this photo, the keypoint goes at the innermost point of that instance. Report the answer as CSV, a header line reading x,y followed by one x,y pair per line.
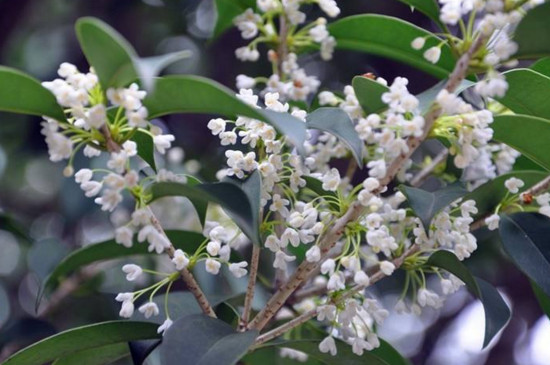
x,y
529,33
527,93
369,94
227,10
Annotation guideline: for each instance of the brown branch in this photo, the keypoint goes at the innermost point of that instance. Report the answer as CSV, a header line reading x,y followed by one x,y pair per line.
x,y
419,178
254,261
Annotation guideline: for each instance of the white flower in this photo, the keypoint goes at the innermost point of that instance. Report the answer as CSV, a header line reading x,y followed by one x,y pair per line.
x,y
132,271
327,98
83,175
336,281
163,142
141,217
272,243
331,180
371,184
328,266
359,345
91,188
387,267
267,5
429,298
137,118
130,147
180,259
216,126
96,116
247,54
124,236
328,345
418,43
245,82
513,185
313,254
127,309
361,278
281,259
329,7
213,247
165,325
212,266
492,222
238,269
327,312
432,54
319,32
109,200
149,309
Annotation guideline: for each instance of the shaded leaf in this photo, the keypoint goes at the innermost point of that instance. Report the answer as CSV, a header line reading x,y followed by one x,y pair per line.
x,y
497,312
83,338
338,123
149,68
7,223
390,37
145,147
369,94
526,134
192,94
201,340
542,66
226,11
527,93
430,8
426,204
528,34
140,350
230,197
524,237
22,94
543,299
252,187
427,97
96,356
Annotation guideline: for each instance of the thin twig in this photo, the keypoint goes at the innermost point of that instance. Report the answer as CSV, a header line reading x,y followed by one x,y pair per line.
x,y
254,261
419,178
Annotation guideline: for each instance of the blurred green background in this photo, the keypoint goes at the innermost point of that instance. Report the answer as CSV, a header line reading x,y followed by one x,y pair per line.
x,y
44,215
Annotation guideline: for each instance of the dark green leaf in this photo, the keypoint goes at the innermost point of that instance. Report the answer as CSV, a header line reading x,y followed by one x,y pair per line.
x,y
7,223
201,340
427,97
109,250
543,299
149,68
530,33
338,123
252,187
145,147
387,353
20,93
369,94
490,194
430,8
523,163
524,237
230,197
96,356
390,37
107,51
527,93
497,312
227,10
192,94
426,204
529,135
542,66
83,338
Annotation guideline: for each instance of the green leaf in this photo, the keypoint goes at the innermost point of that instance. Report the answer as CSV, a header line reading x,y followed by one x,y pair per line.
x,y
543,299
527,93
542,66
427,7
426,204
530,33
145,148
83,338
192,94
149,68
252,187
230,197
227,10
7,223
524,237
427,97
387,353
529,135
345,354
110,250
390,37
497,312
201,340
490,194
369,94
107,51
338,123
96,356
22,94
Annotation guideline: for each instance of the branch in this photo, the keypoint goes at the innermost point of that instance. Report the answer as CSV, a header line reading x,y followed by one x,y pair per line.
x,y
355,210
419,178
255,260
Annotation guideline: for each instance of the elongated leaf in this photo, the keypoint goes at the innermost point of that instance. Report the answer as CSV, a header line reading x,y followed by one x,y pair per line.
x,y
107,51
7,223
201,340
542,66
192,94
426,204
369,94
524,237
427,97
96,356
490,194
529,30
82,338
149,68
227,10
543,299
252,187
145,148
529,135
527,93
230,197
428,7
390,37
497,312
338,123
22,94
109,250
